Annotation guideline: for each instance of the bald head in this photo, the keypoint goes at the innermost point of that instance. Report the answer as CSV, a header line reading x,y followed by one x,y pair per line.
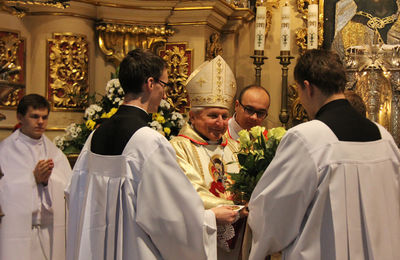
x,y
252,106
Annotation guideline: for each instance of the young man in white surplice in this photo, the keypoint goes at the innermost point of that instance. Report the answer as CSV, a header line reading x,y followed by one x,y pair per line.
x,y
36,173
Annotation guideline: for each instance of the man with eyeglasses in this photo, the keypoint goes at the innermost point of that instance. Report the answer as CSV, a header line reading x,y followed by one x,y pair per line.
x,y
251,108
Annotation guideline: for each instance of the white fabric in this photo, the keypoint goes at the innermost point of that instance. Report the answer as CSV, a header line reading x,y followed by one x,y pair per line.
x,y
234,128
322,198
138,205
25,203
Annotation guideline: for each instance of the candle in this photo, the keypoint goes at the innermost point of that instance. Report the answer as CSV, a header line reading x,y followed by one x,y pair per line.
x,y
312,27
261,20
285,28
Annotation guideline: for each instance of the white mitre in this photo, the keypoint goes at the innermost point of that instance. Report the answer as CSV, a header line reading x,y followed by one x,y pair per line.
x,y
212,85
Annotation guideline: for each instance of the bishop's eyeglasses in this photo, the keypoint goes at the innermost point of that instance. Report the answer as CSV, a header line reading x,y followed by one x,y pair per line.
x,y
250,111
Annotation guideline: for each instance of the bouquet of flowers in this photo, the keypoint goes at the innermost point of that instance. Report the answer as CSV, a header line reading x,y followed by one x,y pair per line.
x,y
257,149
166,121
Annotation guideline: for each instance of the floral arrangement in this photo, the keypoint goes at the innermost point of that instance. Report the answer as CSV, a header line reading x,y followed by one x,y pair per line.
x,y
257,149
166,120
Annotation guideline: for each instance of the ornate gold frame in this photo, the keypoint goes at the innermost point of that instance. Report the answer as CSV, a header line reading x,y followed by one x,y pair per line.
x,y
67,72
116,40
179,62
13,67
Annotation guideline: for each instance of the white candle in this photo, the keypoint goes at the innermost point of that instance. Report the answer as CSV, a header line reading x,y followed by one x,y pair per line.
x,y
261,20
285,28
312,27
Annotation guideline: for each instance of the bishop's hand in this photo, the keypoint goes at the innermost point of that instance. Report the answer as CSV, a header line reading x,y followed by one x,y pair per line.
x,y
225,215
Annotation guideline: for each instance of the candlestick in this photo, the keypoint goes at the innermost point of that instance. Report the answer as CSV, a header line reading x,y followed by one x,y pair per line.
x,y
261,20
312,27
285,28
258,58
284,61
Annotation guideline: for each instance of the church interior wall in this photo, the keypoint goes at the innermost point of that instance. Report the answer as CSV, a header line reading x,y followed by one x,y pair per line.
x,y
191,26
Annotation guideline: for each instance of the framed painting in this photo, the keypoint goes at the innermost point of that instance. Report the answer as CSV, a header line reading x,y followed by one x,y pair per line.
x,y
345,23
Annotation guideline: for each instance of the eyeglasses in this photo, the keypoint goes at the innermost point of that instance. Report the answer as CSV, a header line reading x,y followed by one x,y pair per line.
x,y
164,84
250,111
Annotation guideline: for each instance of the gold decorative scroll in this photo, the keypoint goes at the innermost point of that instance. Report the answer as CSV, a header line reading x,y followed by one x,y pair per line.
x,y
68,57
179,60
12,69
116,40
213,46
297,113
270,5
21,7
301,34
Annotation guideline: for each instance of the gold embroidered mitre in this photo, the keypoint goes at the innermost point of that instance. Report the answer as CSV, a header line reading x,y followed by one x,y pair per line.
x,y
212,85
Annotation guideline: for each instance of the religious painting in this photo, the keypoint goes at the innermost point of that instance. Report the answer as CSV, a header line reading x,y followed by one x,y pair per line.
x,y
360,23
68,70
12,69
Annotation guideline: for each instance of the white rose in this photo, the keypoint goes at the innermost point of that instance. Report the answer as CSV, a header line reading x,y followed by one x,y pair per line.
x,y
155,125
164,104
71,128
97,108
89,112
181,123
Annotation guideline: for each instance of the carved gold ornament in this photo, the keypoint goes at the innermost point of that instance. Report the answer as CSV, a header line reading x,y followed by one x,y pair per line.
x,y
301,34
116,40
12,69
297,113
21,7
179,61
213,46
68,57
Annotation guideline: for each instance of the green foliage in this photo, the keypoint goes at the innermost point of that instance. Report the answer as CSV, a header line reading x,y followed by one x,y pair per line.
x,y
254,157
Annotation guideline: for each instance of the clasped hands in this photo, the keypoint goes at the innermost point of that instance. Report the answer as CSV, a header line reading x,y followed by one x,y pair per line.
x,y
43,171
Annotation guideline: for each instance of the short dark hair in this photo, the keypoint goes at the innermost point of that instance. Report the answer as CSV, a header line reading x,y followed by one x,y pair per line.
x,y
356,101
32,100
137,67
322,68
252,87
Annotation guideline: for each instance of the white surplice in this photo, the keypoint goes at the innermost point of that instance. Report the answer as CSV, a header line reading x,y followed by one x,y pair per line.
x,y
322,198
233,128
138,205
34,223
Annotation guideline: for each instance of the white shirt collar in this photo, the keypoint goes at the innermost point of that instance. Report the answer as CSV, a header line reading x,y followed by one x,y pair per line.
x,y
234,128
